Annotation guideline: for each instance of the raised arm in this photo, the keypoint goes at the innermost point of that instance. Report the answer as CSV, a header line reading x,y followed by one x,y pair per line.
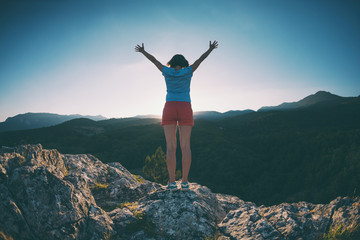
x,y
196,64
141,49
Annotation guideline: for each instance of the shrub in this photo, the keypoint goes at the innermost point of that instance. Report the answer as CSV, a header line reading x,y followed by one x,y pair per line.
x,y
155,168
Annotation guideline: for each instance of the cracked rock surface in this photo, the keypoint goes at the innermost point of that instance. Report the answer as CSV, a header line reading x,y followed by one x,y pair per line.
x,y
48,195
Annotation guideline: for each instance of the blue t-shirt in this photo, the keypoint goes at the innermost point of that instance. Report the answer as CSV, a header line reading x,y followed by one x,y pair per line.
x,y
177,83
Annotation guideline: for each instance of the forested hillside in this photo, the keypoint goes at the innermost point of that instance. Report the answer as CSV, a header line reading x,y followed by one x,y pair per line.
x,y
310,153
38,120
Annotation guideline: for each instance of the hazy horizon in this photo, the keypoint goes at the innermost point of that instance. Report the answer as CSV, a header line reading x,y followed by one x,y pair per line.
x,y
159,115
76,57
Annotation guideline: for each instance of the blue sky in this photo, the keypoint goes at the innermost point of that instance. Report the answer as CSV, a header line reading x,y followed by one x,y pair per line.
x,y
71,57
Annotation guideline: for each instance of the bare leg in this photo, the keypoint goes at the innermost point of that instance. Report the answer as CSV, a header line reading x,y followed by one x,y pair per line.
x,y
170,136
185,133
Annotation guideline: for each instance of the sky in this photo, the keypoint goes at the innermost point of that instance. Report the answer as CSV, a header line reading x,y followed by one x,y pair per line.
x,y
77,57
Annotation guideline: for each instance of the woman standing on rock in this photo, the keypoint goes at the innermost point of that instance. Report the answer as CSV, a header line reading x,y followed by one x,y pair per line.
x,y
177,110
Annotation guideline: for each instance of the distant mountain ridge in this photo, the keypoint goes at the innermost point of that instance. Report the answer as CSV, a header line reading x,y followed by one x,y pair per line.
x,y
207,115
213,115
321,97
39,120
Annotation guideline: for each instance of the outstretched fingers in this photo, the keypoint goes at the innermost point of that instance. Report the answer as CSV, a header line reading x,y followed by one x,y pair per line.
x,y
214,44
139,48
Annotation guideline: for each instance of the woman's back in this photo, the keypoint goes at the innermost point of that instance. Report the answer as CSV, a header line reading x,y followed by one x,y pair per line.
x,y
178,83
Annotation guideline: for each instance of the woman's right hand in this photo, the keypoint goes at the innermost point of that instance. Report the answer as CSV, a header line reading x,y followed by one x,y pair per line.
x,y
139,48
213,45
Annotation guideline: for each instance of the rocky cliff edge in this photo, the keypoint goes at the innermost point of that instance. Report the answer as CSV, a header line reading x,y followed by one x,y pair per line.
x,y
48,195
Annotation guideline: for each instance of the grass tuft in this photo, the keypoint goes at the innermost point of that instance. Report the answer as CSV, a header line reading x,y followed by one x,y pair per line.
x,y
138,178
342,233
101,186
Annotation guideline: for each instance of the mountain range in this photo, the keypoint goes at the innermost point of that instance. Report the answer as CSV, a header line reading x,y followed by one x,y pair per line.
x,y
39,120
322,98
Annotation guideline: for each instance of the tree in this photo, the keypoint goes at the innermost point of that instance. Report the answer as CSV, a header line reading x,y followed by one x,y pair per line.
x,y
155,168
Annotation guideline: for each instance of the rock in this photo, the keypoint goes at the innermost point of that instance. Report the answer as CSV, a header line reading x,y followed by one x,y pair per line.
x,y
247,223
11,219
290,221
165,214
111,184
177,213
48,195
346,214
47,204
229,202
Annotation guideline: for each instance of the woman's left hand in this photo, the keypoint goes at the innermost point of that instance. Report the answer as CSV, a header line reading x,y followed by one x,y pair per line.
x,y
213,45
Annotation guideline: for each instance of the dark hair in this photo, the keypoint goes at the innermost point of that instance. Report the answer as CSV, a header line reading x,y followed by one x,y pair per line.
x,y
178,60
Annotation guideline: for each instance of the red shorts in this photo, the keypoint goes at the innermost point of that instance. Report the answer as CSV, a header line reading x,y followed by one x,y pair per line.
x,y
177,113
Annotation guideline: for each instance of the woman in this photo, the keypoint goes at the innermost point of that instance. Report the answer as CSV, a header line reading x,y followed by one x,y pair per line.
x,y
177,110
